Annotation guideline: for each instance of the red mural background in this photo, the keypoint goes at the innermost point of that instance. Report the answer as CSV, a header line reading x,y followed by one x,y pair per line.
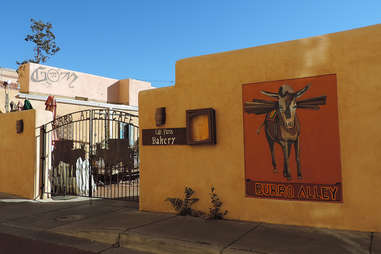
x,y
319,145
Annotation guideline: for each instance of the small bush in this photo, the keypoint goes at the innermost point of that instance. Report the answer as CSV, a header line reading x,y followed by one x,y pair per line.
x,y
184,207
215,212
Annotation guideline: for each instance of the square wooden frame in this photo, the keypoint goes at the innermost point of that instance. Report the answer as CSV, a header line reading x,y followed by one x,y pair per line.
x,y
210,112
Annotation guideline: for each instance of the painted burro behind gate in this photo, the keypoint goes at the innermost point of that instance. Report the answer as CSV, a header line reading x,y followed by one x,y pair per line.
x,y
292,146
339,142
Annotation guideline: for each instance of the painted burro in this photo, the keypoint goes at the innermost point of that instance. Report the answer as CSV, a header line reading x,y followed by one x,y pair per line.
x,y
292,148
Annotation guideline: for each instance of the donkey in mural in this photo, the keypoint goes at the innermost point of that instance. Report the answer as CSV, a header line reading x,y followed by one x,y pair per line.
x,y
281,122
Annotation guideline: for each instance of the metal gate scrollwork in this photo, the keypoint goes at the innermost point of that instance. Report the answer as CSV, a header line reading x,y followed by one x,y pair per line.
x,y
92,153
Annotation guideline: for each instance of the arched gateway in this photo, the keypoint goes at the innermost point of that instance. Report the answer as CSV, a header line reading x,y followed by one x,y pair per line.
x,y
91,153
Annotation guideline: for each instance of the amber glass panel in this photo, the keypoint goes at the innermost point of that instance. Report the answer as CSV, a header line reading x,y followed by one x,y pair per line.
x,y
200,127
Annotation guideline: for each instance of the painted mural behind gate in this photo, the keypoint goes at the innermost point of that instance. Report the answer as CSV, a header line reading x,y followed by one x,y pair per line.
x,y
292,146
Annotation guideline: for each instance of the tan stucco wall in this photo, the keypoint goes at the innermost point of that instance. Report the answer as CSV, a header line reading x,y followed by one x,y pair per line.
x,y
46,80
136,86
49,80
8,75
24,77
123,92
12,97
216,81
18,154
126,91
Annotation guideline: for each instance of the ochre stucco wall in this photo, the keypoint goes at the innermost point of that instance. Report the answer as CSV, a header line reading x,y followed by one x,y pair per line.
x,y
216,81
18,154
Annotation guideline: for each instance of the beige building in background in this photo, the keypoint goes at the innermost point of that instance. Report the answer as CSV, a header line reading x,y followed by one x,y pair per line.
x,y
73,90
8,74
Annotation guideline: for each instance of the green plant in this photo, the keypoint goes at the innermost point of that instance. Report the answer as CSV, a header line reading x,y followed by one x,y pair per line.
x,y
215,212
184,207
44,41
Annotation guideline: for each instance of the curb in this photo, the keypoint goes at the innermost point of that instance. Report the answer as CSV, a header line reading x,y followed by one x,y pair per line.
x,y
46,237
158,245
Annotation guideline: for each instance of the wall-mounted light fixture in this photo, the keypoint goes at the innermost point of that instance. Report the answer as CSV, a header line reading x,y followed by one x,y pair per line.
x,y
19,126
160,116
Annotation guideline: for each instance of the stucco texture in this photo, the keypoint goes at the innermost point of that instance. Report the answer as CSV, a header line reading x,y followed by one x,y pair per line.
x,y
42,79
12,97
126,91
18,154
216,81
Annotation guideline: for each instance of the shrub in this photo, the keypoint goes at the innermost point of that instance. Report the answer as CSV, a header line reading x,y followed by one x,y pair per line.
x,y
184,207
215,212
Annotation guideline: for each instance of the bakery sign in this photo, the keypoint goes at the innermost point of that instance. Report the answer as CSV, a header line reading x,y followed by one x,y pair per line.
x,y
164,136
200,129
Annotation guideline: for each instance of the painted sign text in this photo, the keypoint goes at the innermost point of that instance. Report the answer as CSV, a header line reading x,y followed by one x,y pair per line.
x,y
170,136
42,74
294,191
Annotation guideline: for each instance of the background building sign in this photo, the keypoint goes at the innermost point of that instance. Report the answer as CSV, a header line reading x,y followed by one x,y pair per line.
x,y
292,146
51,75
48,80
168,136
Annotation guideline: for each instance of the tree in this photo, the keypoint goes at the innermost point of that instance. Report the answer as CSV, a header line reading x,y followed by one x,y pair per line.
x,y
44,40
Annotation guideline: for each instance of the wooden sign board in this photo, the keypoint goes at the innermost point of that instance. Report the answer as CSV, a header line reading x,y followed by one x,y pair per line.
x,y
167,136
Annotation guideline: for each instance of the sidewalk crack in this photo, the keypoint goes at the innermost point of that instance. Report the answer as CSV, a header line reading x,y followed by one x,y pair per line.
x,y
371,242
240,237
115,245
150,223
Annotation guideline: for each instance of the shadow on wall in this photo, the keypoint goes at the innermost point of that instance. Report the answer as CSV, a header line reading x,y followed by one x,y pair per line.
x,y
113,93
126,91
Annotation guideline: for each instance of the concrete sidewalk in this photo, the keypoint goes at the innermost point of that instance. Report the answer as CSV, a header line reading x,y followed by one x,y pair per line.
x,y
110,226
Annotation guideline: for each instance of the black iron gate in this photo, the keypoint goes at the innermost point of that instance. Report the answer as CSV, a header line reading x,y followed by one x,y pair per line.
x,y
91,153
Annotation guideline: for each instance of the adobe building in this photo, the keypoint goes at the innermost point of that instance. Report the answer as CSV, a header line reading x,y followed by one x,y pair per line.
x,y
287,133
34,135
74,90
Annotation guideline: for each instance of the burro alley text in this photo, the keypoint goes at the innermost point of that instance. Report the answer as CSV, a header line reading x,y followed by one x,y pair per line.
x,y
295,191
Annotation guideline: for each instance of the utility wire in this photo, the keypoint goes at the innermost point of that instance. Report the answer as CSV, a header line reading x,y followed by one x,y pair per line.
x,y
155,81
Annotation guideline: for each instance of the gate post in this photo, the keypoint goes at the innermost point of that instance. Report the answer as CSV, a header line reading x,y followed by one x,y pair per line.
x,y
107,126
42,160
90,152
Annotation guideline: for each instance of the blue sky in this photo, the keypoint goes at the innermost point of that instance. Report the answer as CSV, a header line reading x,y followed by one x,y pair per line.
x,y
143,39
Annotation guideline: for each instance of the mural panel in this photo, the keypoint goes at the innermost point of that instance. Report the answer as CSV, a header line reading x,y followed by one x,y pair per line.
x,y
292,146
